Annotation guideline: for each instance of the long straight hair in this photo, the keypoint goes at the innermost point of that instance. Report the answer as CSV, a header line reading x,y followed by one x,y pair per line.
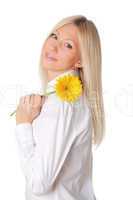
x,y
90,73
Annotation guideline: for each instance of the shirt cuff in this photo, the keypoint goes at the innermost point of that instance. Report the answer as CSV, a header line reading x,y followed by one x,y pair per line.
x,y
24,132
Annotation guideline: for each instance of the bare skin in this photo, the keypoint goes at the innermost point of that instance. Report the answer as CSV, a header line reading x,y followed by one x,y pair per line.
x,y
64,48
62,45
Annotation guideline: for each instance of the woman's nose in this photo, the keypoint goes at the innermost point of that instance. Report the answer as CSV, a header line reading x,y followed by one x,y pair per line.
x,y
56,45
53,47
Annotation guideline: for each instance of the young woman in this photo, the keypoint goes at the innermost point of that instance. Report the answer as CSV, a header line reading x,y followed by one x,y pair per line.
x,y
55,137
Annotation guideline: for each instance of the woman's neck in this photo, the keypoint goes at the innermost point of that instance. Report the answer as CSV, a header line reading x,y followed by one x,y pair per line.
x,y
52,74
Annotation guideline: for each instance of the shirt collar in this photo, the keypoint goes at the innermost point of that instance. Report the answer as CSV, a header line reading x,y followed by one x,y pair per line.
x,y
51,83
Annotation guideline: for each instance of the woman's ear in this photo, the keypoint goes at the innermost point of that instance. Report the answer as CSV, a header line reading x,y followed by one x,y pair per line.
x,y
77,65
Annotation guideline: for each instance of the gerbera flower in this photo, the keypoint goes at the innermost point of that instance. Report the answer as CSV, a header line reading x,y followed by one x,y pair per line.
x,y
68,88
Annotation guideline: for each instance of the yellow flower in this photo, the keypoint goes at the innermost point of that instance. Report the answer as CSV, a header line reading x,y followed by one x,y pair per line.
x,y
68,87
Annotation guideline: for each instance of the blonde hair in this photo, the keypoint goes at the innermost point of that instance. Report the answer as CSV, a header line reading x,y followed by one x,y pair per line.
x,y
90,73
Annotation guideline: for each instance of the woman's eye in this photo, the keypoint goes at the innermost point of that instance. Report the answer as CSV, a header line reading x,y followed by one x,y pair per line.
x,y
69,45
53,34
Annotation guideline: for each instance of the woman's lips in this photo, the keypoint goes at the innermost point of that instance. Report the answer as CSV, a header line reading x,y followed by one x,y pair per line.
x,y
50,58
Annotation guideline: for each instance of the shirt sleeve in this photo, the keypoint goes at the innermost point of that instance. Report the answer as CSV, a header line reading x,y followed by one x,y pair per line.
x,y
59,125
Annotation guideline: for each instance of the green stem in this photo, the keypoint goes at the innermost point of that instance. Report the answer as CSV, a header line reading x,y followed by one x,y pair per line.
x,y
46,94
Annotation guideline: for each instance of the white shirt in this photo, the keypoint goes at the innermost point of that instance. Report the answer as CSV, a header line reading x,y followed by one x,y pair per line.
x,y
55,150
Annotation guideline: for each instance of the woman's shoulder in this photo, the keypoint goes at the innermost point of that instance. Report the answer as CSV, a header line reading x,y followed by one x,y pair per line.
x,y
80,105
77,112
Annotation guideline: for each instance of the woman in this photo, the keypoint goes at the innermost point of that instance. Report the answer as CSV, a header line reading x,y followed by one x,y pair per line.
x,y
55,137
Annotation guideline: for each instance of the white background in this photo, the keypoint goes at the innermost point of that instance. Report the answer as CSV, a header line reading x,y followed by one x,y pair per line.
x,y
23,26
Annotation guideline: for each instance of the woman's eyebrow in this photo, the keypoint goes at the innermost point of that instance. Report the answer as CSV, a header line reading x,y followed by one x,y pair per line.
x,y
65,38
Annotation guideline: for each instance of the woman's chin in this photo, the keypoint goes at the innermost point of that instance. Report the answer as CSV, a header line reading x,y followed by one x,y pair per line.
x,y
49,66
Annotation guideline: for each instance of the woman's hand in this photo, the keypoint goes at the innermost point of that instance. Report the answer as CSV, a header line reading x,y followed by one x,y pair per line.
x,y
29,108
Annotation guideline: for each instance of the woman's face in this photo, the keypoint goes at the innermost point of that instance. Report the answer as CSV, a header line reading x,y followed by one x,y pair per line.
x,y
61,49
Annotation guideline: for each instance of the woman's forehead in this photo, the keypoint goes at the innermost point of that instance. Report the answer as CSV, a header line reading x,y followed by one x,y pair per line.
x,y
68,31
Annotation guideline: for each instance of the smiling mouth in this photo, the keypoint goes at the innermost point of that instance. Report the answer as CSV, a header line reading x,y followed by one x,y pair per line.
x,y
50,58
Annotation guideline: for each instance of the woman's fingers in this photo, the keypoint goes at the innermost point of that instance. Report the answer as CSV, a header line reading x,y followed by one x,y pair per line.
x,y
43,99
27,99
29,108
37,99
22,100
32,99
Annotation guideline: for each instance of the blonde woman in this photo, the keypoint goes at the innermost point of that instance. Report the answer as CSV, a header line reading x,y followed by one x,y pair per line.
x,y
55,137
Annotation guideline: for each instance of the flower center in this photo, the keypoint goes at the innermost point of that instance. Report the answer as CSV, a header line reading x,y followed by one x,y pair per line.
x,y
66,88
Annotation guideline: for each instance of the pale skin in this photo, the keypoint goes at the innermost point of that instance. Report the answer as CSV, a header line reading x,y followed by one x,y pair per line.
x,y
62,45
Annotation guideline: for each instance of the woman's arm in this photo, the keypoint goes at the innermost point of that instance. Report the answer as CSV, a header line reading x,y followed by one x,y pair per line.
x,y
61,123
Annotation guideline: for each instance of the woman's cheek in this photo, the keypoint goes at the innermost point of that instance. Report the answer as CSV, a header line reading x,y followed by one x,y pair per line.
x,y
65,56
